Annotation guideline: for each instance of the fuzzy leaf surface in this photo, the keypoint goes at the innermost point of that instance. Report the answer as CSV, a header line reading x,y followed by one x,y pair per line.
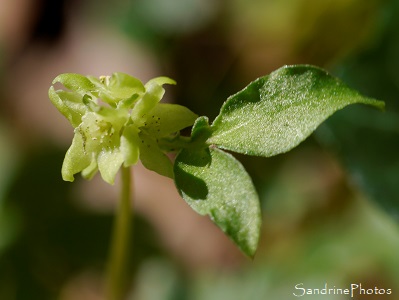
x,y
275,113
214,183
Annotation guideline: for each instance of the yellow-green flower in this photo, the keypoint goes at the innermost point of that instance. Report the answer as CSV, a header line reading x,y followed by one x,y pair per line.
x,y
117,120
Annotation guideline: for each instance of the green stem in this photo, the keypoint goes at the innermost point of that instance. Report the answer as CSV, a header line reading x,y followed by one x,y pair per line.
x,y
116,277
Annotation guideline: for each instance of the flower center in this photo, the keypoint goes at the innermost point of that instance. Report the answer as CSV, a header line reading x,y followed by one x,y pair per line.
x,y
96,132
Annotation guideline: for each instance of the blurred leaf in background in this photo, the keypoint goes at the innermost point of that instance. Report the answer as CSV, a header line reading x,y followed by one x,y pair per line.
x,y
154,21
368,142
271,33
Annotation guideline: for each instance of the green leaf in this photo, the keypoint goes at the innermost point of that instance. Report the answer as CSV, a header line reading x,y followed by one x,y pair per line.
x,y
214,183
165,119
275,113
201,130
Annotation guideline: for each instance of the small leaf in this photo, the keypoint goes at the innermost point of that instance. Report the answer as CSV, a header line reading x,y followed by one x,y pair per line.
x,y
275,113
201,130
214,183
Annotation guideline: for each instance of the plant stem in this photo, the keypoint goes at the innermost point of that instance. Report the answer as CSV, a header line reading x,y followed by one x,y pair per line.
x,y
116,273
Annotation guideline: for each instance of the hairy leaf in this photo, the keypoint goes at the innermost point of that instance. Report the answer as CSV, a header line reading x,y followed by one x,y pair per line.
x,y
275,113
214,183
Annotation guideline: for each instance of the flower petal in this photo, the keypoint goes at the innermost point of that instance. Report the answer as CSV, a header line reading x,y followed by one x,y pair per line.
x,y
109,161
168,118
153,158
76,158
92,169
123,86
160,81
75,82
130,145
154,93
119,86
69,104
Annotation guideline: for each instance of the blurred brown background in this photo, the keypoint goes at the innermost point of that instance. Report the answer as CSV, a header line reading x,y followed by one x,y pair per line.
x,y
331,206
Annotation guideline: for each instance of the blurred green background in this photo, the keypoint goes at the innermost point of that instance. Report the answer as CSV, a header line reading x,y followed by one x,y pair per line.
x,y
330,207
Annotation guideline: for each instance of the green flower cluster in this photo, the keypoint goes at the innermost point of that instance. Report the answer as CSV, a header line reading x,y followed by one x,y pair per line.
x,y
118,121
